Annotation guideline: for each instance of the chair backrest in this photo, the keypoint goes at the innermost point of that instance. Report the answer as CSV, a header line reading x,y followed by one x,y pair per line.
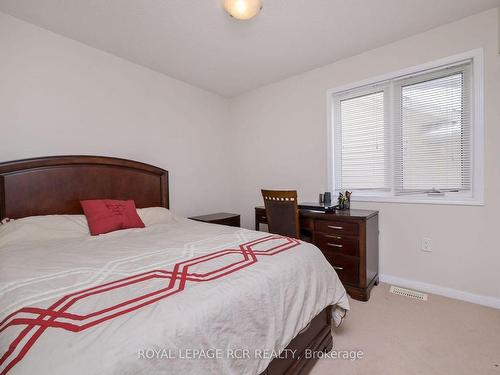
x,y
282,212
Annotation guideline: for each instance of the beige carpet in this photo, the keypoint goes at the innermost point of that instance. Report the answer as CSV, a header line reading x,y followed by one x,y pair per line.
x,y
399,335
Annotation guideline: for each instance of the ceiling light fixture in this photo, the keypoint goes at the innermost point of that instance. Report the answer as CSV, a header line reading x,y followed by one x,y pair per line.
x,y
243,9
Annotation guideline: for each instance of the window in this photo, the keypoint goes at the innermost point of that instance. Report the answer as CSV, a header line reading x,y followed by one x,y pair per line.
x,y
361,141
413,137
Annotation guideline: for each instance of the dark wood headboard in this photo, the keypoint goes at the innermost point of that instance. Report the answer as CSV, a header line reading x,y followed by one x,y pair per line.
x,y
56,184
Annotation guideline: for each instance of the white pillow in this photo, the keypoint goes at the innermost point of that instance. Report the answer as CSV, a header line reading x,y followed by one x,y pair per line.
x,y
50,227
156,215
46,227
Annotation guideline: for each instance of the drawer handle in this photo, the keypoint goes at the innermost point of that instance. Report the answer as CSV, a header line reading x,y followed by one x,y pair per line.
x,y
331,236
335,227
334,244
338,268
263,217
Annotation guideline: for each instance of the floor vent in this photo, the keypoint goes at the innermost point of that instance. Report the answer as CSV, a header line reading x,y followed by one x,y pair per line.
x,y
408,293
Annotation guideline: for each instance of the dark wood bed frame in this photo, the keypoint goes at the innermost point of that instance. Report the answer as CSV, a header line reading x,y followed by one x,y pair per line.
x,y
56,184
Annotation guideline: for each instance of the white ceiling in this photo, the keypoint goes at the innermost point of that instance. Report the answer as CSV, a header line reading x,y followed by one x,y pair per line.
x,y
197,42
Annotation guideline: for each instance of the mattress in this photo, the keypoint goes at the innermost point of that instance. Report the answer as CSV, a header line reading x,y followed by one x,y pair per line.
x,y
177,297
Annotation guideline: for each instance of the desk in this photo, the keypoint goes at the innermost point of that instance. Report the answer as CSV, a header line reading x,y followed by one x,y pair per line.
x,y
349,241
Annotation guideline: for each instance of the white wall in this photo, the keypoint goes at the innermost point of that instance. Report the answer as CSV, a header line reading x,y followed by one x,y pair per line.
x,y
58,96
281,140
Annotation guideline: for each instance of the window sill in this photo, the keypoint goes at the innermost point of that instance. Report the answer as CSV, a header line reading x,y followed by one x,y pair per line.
x,y
457,201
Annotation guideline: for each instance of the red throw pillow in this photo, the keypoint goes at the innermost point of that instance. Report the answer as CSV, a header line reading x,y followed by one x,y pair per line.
x,y
108,215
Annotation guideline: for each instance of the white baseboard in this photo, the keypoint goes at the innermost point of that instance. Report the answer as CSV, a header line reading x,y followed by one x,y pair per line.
x,y
442,291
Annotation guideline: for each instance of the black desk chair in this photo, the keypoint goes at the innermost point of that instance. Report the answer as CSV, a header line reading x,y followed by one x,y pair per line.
x,y
282,212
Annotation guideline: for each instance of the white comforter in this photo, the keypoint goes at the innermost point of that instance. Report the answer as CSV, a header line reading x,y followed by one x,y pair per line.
x,y
155,300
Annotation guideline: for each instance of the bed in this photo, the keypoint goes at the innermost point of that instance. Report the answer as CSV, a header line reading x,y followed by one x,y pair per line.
x,y
175,297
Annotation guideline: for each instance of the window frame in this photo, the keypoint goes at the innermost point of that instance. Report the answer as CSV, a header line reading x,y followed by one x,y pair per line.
x,y
476,195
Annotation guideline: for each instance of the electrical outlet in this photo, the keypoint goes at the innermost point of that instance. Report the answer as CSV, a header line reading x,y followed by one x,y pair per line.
x,y
426,244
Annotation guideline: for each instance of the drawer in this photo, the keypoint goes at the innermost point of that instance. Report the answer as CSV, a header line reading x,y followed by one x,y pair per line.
x,y
346,267
337,227
261,217
315,329
334,242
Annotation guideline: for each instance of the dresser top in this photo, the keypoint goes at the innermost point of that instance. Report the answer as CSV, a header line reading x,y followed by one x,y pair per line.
x,y
308,209
353,214
215,216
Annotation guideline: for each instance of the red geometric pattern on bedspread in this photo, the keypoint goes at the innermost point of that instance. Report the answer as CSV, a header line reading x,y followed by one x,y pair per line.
x,y
56,316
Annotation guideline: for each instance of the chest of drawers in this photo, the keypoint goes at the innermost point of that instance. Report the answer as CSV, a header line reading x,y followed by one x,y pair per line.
x,y
348,240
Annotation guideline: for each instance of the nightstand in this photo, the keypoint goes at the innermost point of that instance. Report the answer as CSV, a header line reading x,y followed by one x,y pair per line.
x,y
222,218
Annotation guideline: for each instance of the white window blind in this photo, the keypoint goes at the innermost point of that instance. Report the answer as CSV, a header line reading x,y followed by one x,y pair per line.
x,y
433,136
408,136
361,160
